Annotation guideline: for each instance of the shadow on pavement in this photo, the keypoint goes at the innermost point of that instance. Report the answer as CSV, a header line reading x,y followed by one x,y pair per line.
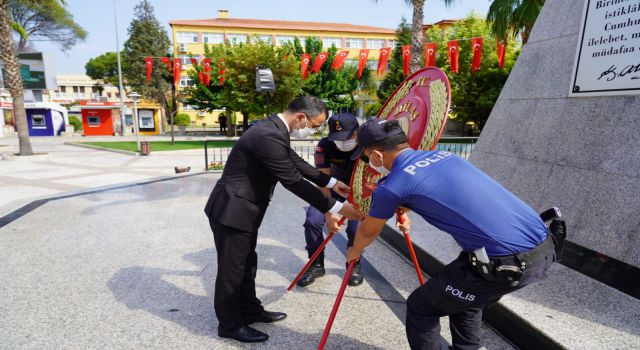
x,y
144,288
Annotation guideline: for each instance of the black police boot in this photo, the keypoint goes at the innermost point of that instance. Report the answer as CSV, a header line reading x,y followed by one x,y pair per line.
x,y
357,276
315,270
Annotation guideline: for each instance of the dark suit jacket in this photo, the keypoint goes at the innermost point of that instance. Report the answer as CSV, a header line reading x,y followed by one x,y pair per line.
x,y
262,157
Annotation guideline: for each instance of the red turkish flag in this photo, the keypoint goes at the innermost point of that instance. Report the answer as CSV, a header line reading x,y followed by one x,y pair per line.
x,y
148,65
362,61
177,69
454,52
167,61
502,50
193,61
304,65
476,45
383,59
221,70
430,54
339,60
406,59
319,61
206,69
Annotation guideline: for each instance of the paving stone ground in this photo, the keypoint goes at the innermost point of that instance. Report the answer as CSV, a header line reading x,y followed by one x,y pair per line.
x,y
135,268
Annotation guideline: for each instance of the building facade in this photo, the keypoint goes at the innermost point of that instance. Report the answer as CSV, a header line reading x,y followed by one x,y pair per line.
x,y
77,87
190,36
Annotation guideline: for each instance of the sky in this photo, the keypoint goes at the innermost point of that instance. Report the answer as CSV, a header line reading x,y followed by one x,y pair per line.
x,y
97,18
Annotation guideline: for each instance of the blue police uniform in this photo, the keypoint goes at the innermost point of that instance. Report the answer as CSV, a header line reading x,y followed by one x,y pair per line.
x,y
457,198
327,155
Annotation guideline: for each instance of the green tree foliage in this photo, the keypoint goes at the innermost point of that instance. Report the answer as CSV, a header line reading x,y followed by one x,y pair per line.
x,y
44,20
103,68
473,94
334,87
147,38
507,18
395,76
238,91
182,119
76,122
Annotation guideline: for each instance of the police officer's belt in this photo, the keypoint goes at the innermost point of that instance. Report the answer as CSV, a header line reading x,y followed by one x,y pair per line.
x,y
509,269
529,257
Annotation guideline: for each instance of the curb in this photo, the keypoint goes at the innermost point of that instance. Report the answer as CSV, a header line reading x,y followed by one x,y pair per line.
x,y
82,145
511,327
27,208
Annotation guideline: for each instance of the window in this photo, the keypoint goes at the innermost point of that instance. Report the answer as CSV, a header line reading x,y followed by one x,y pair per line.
x,y
352,43
281,39
351,62
375,43
187,107
186,81
93,121
75,89
213,38
82,89
327,42
38,121
237,38
264,38
187,37
146,119
393,43
184,61
63,89
372,64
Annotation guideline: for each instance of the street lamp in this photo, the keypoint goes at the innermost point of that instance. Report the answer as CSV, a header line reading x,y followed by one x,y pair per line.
x,y
135,96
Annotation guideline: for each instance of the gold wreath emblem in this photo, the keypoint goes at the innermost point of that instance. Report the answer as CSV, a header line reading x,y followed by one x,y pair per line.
x,y
338,126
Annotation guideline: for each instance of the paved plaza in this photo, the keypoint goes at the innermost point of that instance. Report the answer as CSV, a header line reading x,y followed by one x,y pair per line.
x,y
135,267
109,250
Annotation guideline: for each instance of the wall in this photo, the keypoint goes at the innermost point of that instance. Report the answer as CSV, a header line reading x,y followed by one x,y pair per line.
x,y
576,153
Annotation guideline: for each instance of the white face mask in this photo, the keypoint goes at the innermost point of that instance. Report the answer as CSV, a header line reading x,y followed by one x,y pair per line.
x,y
381,169
346,146
303,133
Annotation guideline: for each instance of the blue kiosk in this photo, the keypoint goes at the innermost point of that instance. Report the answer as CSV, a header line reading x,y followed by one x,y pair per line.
x,y
46,118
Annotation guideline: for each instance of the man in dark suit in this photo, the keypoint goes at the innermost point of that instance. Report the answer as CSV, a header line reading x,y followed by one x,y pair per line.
x,y
261,158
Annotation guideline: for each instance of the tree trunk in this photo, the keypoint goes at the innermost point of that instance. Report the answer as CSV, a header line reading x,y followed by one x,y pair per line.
x,y
417,46
230,123
245,122
13,80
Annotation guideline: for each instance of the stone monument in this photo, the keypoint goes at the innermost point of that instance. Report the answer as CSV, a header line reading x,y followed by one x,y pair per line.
x,y
565,130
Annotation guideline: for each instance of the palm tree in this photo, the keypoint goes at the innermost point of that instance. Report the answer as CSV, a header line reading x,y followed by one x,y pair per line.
x,y
13,79
507,18
417,44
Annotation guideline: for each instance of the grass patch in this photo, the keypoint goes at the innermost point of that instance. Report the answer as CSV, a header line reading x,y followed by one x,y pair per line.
x,y
162,145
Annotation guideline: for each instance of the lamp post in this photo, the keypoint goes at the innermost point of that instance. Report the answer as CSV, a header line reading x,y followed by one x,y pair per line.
x,y
135,96
120,87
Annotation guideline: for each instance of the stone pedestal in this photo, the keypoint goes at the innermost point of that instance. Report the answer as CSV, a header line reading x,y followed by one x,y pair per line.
x,y
580,154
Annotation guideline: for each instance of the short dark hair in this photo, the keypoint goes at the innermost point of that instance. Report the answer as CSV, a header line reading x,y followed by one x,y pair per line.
x,y
310,105
398,141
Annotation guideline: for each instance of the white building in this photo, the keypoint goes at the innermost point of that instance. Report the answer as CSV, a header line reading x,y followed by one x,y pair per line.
x,y
76,88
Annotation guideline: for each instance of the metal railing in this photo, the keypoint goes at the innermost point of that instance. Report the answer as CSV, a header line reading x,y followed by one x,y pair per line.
x,y
215,157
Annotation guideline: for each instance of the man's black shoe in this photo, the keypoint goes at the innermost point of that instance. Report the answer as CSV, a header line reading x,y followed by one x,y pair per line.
x,y
316,270
356,277
266,317
244,334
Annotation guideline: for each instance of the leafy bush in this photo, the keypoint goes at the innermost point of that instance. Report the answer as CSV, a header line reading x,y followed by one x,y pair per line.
x,y
372,110
75,122
182,119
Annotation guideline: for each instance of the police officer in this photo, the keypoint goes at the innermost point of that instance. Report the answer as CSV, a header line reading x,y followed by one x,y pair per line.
x,y
332,157
505,243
